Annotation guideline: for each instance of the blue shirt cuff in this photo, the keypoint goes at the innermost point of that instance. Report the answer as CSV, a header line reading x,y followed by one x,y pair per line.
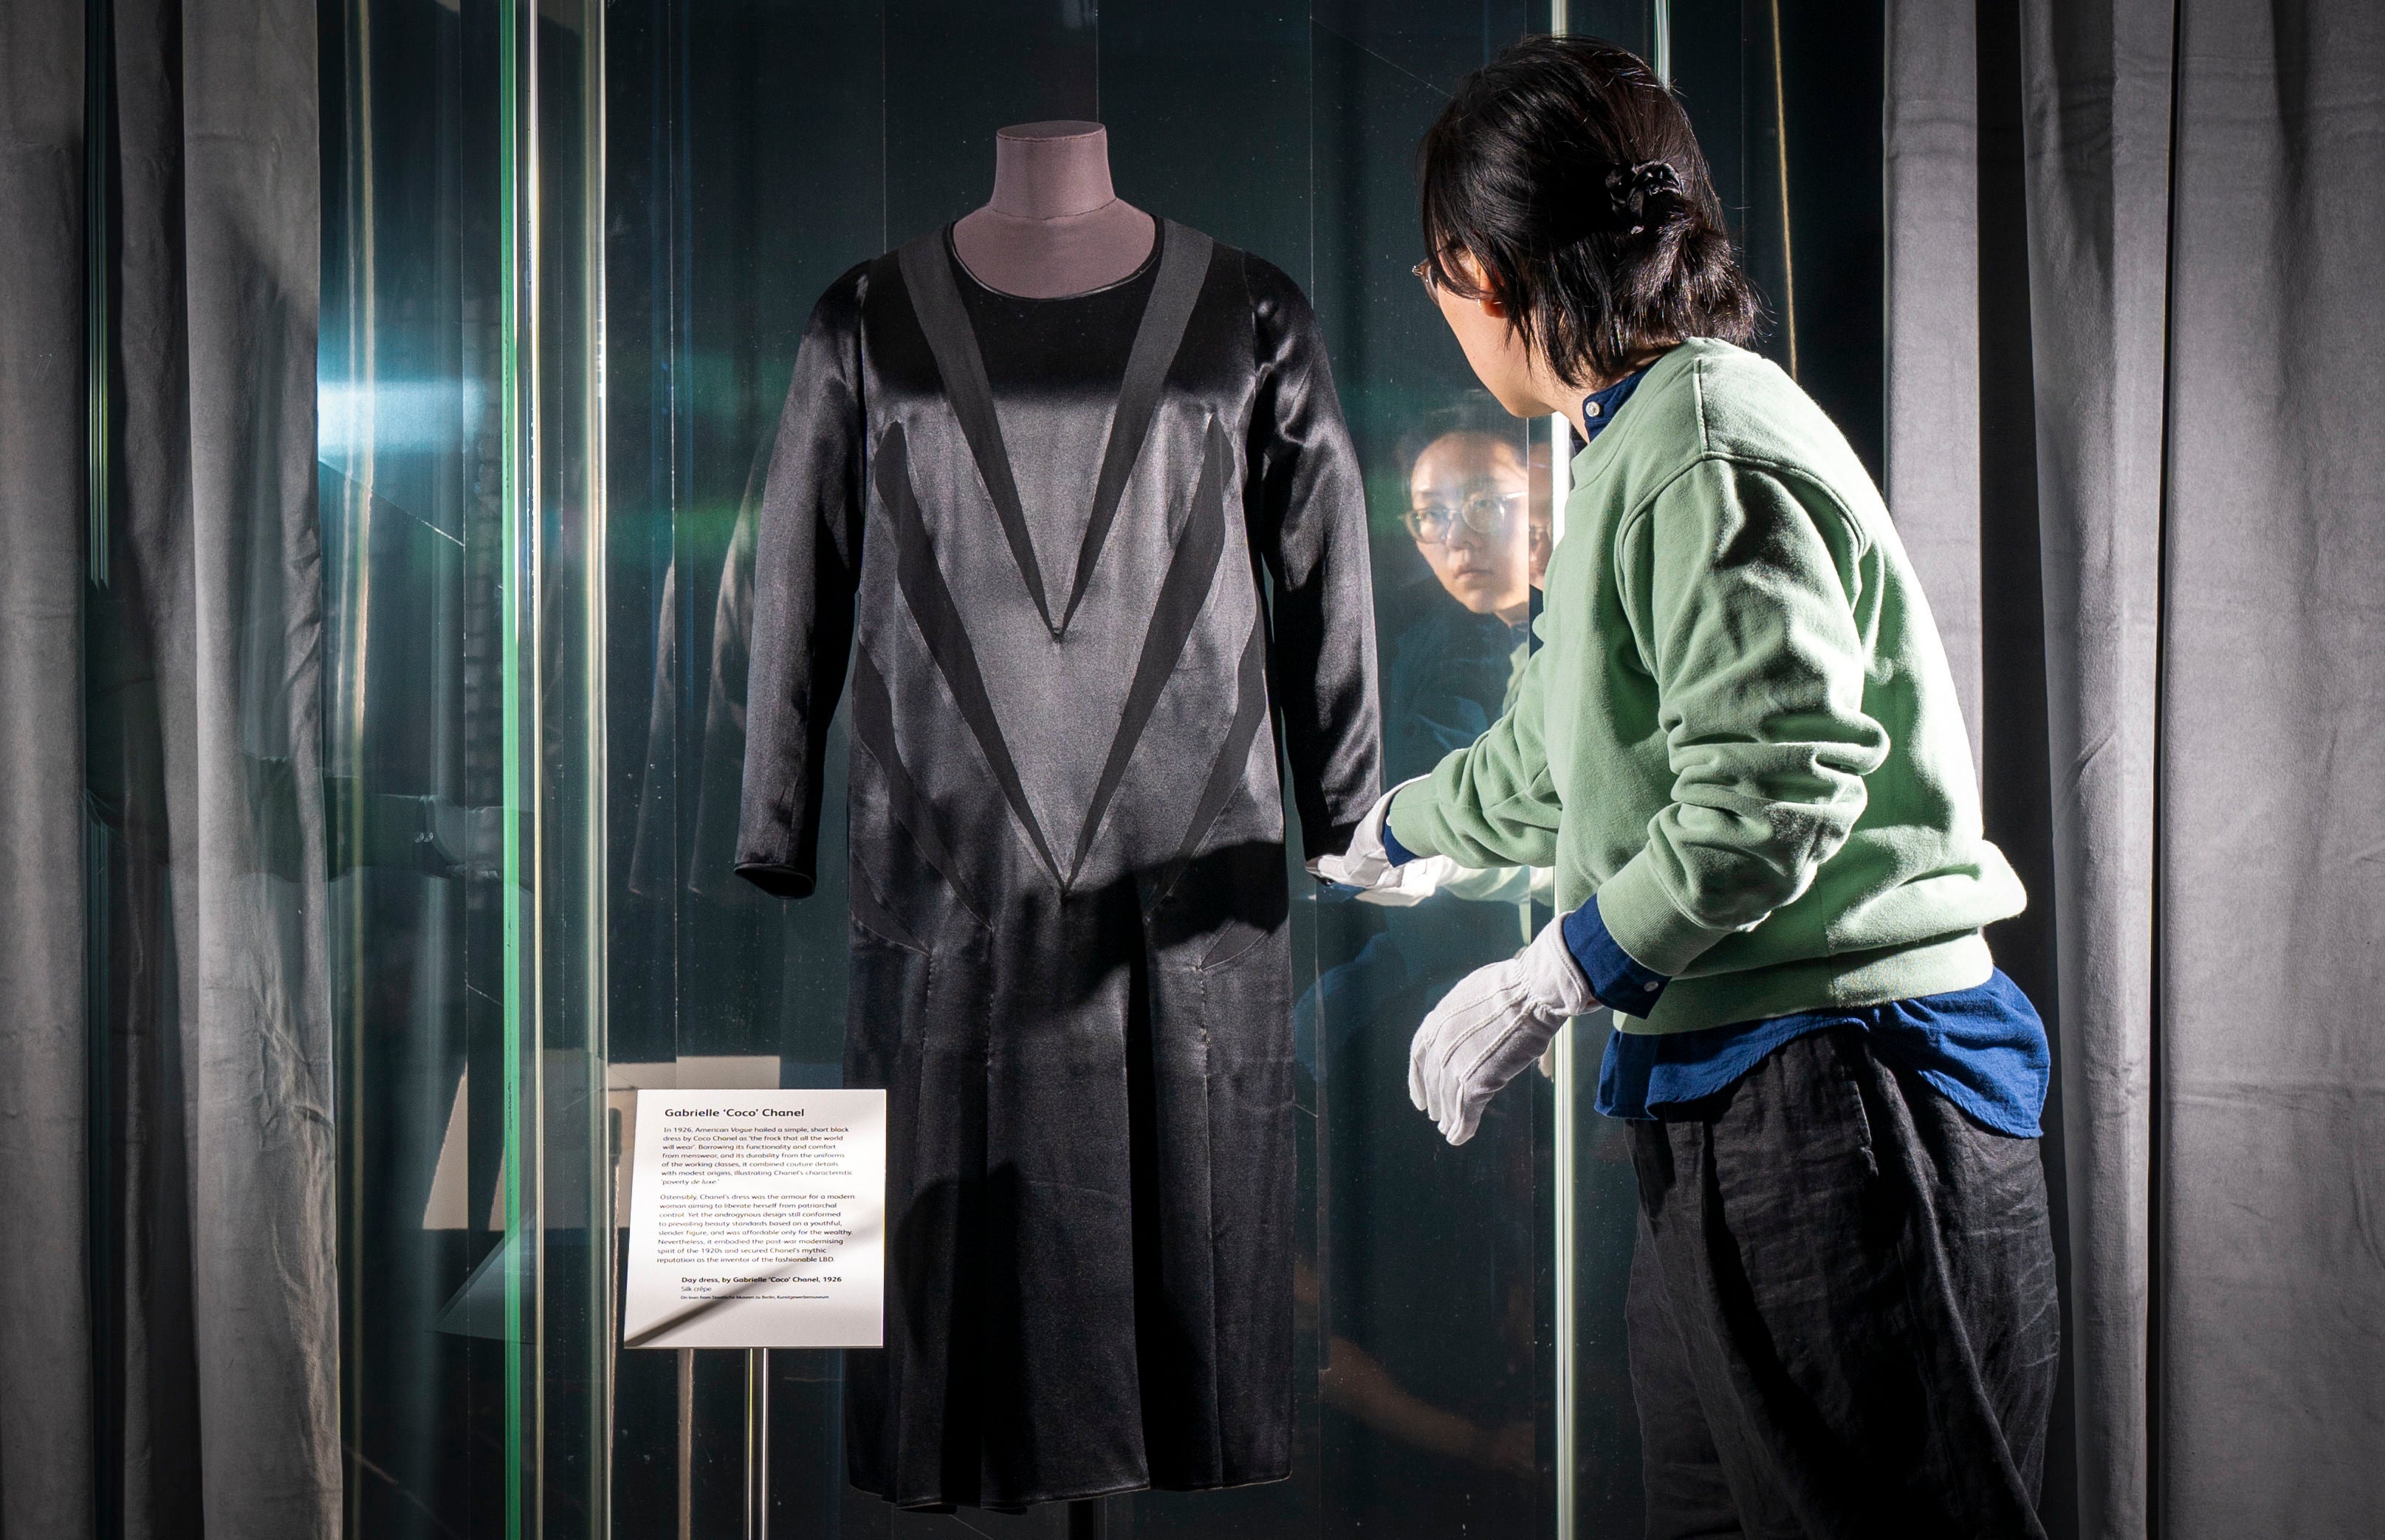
x,y
1616,976
1395,853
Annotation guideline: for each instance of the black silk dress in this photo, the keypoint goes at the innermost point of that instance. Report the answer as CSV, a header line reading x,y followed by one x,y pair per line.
x,y
1094,563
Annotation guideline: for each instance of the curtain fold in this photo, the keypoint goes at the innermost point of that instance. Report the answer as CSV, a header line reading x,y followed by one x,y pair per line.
x,y
2130,276
2270,1125
45,1363
2095,113
176,781
1930,143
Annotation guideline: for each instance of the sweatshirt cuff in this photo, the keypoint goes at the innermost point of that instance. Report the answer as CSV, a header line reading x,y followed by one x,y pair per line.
x,y
1616,976
1646,922
1409,807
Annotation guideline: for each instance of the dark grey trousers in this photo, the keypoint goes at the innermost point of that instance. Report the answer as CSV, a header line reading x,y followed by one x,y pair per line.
x,y
1841,1311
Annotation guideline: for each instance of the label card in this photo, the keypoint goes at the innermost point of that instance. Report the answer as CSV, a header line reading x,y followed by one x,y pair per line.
x,y
757,1219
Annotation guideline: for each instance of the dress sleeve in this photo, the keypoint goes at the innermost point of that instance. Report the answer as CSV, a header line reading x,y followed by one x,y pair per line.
x,y
1305,504
806,562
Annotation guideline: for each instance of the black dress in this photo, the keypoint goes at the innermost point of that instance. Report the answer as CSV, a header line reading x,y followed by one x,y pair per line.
x,y
1096,547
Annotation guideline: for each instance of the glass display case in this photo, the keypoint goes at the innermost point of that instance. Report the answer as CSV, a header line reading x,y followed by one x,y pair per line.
x,y
569,251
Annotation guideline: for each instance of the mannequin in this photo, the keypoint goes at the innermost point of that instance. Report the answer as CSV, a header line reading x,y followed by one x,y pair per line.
x,y
1054,226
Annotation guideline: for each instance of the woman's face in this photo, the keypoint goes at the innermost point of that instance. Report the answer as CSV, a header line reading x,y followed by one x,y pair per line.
x,y
1467,514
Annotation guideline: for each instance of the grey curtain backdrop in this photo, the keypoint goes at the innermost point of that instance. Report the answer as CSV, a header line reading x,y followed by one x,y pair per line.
x,y
168,1291
44,1324
2134,252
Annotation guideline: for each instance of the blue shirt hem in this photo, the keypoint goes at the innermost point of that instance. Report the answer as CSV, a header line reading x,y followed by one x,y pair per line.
x,y
1983,1049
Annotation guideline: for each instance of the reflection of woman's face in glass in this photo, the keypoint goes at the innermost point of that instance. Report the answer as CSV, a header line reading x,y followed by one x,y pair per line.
x,y
1467,514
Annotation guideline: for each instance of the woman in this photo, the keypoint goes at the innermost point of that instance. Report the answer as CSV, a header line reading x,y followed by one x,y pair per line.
x,y
1739,745
1455,663
1468,497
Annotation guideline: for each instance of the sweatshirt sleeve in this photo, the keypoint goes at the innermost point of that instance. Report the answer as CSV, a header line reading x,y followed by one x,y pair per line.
x,y
1491,803
1741,595
1306,506
806,564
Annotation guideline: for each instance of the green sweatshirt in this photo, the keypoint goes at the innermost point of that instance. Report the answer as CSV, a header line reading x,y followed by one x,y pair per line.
x,y
1739,732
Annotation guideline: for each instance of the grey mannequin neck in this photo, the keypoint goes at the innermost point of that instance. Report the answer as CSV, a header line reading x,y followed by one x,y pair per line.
x,y
1055,226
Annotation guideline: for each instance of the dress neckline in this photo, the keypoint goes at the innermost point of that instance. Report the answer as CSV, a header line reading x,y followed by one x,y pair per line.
x,y
1149,264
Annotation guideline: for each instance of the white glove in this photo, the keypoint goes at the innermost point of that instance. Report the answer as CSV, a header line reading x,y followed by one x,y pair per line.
x,y
1415,881
1491,884
1412,882
1366,864
1493,1025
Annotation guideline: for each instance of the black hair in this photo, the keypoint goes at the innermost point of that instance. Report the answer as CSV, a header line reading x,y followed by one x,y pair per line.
x,y
1477,416
1570,175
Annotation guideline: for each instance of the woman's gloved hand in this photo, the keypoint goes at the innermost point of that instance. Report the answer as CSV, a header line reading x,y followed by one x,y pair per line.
x,y
1493,1024
1366,865
1412,882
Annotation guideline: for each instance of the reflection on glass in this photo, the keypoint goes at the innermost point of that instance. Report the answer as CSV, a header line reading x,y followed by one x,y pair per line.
x,y
1433,1384
457,423
1467,497
1453,666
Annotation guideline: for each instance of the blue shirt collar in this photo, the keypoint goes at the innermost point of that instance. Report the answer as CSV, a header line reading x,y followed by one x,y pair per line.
x,y
1599,407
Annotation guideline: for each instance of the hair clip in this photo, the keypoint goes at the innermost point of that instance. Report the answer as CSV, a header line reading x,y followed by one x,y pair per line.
x,y
1629,188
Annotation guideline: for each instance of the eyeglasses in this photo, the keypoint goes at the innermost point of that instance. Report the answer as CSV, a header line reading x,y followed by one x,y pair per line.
x,y
1484,512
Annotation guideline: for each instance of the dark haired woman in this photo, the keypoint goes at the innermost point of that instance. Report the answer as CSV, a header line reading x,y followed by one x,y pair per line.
x,y
1739,745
